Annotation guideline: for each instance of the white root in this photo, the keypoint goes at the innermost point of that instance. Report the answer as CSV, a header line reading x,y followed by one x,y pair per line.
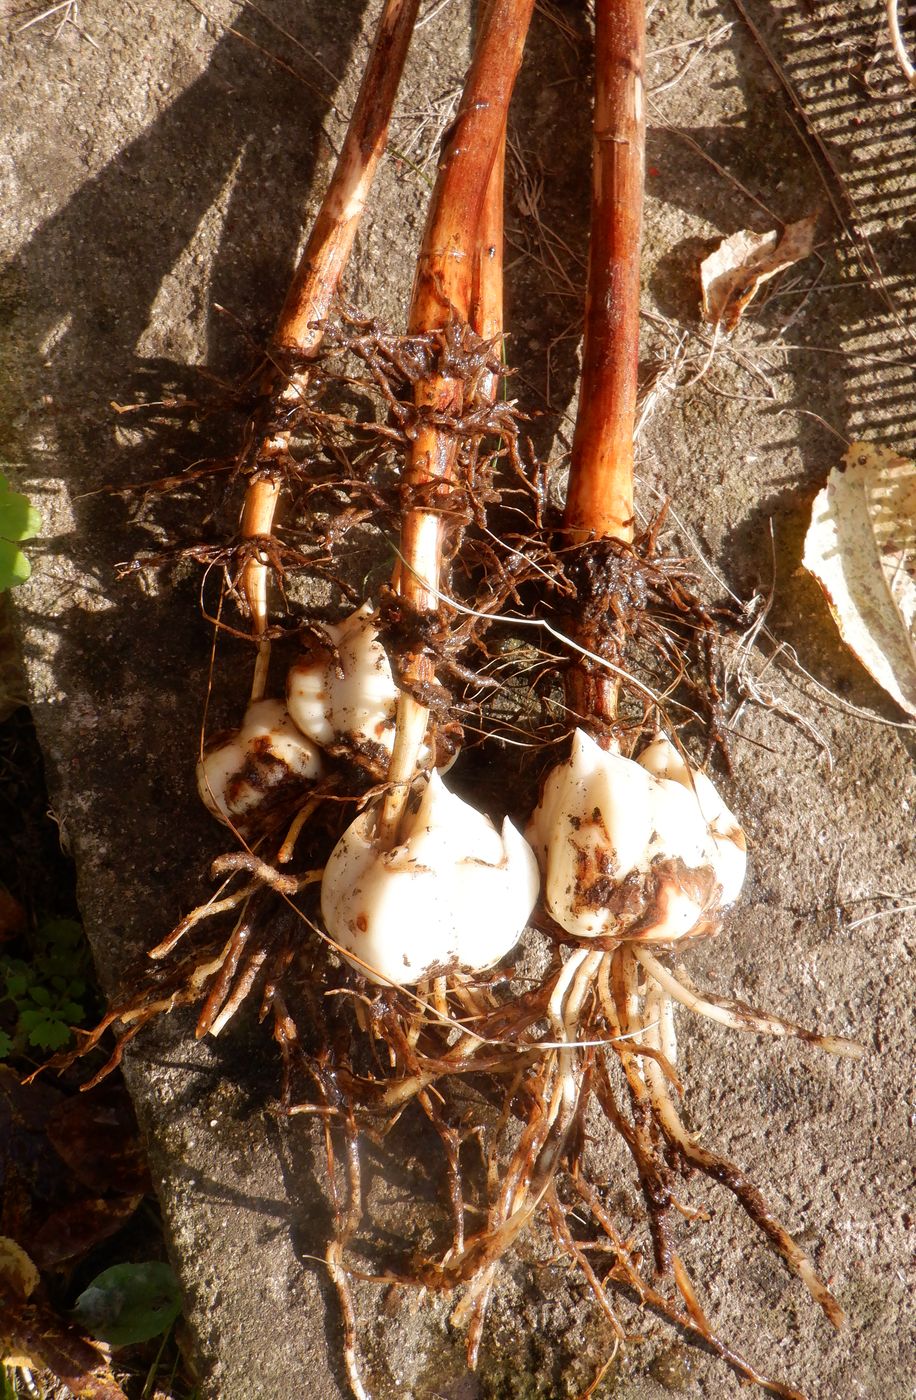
x,y
531,1174
748,1197
564,1010
736,1015
340,1278
667,1036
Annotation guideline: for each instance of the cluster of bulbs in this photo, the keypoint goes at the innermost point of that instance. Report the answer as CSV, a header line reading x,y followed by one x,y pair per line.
x,y
640,849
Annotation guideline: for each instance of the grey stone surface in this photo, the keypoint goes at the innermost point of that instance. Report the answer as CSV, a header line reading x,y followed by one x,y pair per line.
x,y
157,168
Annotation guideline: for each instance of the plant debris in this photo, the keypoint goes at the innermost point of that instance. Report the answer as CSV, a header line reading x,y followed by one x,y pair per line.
x,y
733,274
32,1335
861,548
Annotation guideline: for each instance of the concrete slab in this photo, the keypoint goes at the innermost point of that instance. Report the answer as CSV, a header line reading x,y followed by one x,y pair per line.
x,y
159,164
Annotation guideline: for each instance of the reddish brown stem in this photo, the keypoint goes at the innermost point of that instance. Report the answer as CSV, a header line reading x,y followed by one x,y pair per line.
x,y
599,500
315,285
328,250
600,496
455,271
486,316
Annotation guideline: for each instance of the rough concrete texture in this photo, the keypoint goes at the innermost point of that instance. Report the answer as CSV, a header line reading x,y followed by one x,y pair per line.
x,y
157,167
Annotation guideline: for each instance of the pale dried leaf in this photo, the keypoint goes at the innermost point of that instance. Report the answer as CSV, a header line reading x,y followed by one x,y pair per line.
x,y
33,1335
861,548
17,1271
732,275
19,1278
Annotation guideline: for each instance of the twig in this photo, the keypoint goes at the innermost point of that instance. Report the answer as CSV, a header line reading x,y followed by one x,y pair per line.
x,y
257,48
710,160
700,46
435,8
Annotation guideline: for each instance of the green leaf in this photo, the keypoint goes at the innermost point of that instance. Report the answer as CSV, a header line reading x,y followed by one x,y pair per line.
x,y
63,933
129,1303
6,1045
19,520
17,985
58,963
14,567
47,1034
40,996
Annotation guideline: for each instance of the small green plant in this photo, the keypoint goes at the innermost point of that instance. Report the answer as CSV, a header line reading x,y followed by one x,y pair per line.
x,y
50,992
129,1303
19,520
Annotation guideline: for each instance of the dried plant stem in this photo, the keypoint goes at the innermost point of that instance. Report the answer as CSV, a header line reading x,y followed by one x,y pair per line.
x,y
313,289
486,315
898,43
455,272
599,501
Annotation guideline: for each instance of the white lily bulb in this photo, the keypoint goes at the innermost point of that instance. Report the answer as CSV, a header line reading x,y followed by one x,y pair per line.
x,y
237,773
628,849
347,694
662,759
455,893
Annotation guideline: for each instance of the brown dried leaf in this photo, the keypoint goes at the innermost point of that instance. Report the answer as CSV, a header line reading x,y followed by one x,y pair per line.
x,y
12,915
732,275
96,1135
26,1164
70,1232
58,1159
33,1335
17,1270
861,548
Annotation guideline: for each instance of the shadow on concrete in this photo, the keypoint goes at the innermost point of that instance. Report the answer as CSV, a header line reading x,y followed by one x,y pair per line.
x,y
847,324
